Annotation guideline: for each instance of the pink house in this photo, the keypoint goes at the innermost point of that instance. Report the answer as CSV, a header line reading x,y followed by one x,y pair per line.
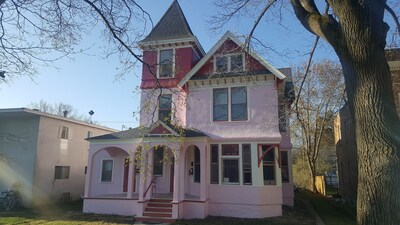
x,y
214,137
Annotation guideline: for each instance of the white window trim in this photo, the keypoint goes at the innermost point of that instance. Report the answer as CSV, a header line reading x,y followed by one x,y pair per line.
x,y
112,171
229,62
240,166
173,63
229,105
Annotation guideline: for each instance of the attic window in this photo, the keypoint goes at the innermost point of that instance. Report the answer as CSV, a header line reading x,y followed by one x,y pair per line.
x,y
229,63
166,63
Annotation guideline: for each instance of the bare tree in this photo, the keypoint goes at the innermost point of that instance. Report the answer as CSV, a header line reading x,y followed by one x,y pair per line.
x,y
61,109
37,32
357,32
321,97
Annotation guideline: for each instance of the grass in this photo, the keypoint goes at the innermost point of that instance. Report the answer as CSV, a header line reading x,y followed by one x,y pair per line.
x,y
331,212
57,214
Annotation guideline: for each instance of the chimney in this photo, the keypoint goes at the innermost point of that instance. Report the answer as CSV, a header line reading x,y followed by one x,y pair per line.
x,y
65,113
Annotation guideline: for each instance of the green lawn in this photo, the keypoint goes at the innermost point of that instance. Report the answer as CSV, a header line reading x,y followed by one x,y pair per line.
x,y
67,213
331,212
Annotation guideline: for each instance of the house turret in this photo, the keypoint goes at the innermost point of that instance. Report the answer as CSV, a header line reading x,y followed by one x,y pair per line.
x,y
170,50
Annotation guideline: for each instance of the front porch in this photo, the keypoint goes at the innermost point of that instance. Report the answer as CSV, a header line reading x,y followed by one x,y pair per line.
x,y
124,182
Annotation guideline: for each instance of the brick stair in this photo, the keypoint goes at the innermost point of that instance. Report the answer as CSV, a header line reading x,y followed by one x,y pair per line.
x,y
157,210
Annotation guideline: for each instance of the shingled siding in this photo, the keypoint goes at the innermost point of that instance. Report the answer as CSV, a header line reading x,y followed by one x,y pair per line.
x,y
184,58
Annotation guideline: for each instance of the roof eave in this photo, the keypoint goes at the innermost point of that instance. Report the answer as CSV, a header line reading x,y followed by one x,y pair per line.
x,y
226,36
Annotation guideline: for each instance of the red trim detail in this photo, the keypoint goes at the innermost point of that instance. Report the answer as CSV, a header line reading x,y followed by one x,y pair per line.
x,y
261,155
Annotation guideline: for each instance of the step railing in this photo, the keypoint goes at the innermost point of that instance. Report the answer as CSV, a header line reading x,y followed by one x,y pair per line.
x,y
152,184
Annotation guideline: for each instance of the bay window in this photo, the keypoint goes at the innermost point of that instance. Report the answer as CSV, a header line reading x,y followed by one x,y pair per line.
x,y
214,170
230,163
246,164
268,165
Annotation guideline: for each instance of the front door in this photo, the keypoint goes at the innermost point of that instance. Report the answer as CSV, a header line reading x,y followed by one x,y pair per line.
x,y
126,174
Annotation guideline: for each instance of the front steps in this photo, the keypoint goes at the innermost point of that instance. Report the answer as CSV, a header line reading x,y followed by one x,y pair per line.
x,y
157,210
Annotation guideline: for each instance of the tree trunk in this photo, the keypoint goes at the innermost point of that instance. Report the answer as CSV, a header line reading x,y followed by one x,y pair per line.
x,y
358,36
377,125
377,129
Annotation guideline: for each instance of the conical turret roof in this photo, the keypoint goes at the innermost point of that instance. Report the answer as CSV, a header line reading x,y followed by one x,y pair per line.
x,y
172,25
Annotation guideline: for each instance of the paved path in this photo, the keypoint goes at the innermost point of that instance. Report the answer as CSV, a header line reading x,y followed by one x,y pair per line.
x,y
309,207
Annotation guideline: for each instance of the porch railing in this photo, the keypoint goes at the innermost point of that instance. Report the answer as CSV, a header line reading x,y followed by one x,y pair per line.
x,y
152,184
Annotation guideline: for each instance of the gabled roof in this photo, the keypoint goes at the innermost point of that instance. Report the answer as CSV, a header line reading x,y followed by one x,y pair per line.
x,y
158,129
214,49
172,25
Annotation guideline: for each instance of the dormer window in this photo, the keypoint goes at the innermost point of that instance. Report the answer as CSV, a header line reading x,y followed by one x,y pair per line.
x,y
229,63
166,63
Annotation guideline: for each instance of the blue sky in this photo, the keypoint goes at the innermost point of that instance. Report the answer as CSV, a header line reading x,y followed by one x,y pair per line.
x,y
88,81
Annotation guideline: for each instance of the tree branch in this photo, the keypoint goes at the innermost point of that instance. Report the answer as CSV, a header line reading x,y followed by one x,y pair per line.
x,y
324,25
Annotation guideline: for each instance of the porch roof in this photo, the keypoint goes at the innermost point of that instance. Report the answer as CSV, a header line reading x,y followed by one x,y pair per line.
x,y
140,132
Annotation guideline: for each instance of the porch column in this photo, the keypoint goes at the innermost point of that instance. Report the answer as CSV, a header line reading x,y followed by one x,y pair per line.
x,y
177,182
88,175
145,173
203,172
130,175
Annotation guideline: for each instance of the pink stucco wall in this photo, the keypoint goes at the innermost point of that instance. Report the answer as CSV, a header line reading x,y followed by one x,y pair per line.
x,y
124,207
262,121
149,106
245,201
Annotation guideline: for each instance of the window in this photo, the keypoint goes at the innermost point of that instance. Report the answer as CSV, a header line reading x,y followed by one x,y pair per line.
x,y
214,174
230,163
166,63
228,63
61,172
158,159
246,162
268,165
165,105
230,150
238,104
64,132
236,63
220,102
89,134
106,170
196,165
285,166
221,64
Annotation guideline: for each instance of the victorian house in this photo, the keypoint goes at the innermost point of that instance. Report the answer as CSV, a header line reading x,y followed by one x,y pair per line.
x,y
213,136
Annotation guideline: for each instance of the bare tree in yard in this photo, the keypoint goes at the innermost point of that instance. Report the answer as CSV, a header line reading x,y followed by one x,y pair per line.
x,y
357,32
321,96
36,33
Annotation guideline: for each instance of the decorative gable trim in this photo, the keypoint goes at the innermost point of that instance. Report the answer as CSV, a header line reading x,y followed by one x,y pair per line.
x,y
160,128
225,37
